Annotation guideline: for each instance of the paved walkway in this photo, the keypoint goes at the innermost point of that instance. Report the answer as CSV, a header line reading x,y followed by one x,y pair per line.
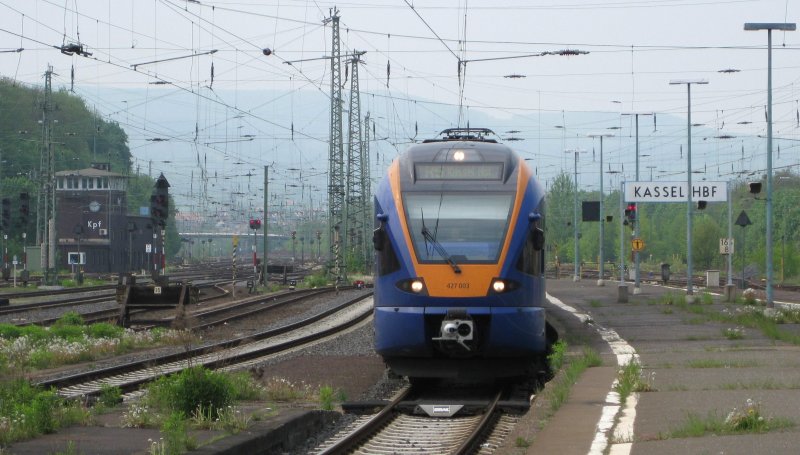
x,y
695,366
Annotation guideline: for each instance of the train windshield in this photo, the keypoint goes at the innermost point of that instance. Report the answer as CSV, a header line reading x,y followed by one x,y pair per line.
x,y
463,228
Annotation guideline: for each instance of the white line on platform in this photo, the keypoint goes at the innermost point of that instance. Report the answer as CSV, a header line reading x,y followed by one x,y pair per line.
x,y
623,432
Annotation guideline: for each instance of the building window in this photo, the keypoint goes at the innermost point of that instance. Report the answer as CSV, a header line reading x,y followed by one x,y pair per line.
x,y
61,183
84,183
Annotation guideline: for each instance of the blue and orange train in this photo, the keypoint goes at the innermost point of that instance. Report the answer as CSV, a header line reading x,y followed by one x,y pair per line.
x,y
459,263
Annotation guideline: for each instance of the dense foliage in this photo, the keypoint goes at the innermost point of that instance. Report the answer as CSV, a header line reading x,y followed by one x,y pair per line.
x,y
80,137
663,229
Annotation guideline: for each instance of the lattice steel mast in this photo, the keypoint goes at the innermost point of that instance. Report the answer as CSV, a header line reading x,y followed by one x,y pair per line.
x,y
367,216
355,204
336,183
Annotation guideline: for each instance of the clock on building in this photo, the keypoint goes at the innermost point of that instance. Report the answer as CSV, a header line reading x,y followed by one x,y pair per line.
x,y
94,206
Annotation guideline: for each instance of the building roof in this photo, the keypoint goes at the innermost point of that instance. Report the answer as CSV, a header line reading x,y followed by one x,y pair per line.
x,y
88,172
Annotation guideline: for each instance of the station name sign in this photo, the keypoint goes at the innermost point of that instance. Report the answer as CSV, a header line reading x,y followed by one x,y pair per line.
x,y
675,191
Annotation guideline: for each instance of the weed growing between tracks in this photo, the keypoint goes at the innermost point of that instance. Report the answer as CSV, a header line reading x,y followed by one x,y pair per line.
x,y
70,341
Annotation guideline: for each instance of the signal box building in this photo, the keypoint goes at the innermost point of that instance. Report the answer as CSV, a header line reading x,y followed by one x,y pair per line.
x,y
93,227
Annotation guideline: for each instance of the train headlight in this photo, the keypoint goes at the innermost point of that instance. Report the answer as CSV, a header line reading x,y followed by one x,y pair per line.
x,y
413,285
499,286
502,286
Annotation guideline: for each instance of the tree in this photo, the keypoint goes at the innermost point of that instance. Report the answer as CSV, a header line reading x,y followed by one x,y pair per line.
x,y
559,202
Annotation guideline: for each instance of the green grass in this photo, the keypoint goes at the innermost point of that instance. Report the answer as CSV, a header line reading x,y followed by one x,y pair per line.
x,y
27,412
558,394
183,392
557,354
749,419
69,340
631,379
746,313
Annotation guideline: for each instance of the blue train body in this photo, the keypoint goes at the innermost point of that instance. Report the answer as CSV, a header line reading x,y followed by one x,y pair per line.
x,y
459,265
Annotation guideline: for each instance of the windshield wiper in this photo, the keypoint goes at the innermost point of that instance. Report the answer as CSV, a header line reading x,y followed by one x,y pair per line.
x,y
440,249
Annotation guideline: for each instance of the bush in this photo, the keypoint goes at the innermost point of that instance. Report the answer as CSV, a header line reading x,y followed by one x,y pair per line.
x,y
41,359
67,332
10,331
43,412
110,395
176,438
70,318
35,332
244,387
315,281
193,387
104,330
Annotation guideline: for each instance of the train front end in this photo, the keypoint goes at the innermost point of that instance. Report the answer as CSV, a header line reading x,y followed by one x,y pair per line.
x,y
459,279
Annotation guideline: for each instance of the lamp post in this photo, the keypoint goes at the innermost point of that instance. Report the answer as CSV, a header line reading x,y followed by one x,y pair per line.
x,y
769,27
637,289
600,281
577,275
688,83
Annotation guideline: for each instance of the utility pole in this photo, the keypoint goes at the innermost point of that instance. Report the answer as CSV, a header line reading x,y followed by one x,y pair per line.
x,y
636,222
265,277
336,193
46,213
355,205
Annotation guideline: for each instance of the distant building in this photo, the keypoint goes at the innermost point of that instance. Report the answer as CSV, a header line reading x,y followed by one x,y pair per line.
x,y
93,225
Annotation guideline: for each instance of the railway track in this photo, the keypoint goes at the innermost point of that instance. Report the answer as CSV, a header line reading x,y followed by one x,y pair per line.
x,y
230,354
400,427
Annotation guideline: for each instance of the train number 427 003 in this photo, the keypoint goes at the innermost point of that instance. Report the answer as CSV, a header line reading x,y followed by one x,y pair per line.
x,y
457,285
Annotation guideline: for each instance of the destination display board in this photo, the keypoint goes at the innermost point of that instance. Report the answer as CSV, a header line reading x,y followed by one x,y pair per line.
x,y
458,171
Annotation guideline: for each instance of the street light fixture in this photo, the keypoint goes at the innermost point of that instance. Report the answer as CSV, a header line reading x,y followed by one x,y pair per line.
x,y
688,83
637,289
769,27
600,281
577,275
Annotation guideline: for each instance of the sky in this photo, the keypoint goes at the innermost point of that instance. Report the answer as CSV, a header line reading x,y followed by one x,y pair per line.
x,y
428,65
